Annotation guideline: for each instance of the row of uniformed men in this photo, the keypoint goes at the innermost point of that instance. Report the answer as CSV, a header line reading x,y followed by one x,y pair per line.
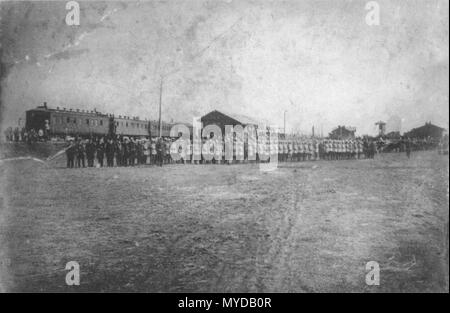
x,y
287,150
158,151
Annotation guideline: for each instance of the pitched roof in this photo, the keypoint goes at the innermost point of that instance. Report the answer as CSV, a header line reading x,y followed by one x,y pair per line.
x,y
427,130
240,118
427,126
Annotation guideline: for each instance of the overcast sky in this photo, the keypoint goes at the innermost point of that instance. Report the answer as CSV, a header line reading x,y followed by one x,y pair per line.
x,y
318,60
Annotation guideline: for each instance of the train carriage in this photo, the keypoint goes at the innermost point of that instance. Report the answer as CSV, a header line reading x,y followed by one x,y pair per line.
x,y
65,122
127,126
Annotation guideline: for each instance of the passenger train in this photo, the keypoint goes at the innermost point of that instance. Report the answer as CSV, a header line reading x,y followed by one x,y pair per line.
x,y
69,122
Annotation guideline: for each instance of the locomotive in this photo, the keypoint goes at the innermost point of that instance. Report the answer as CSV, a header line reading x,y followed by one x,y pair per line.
x,y
69,122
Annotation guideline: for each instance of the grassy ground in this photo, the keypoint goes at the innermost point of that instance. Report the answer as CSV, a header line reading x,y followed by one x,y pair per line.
x,y
307,227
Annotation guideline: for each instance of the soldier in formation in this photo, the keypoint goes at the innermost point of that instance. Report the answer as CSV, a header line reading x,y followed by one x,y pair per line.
x,y
90,153
80,149
70,154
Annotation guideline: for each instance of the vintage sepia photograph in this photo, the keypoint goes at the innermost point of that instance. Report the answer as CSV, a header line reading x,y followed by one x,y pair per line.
x,y
224,146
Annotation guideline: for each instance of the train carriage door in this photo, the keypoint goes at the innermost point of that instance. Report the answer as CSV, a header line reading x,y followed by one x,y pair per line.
x,y
36,120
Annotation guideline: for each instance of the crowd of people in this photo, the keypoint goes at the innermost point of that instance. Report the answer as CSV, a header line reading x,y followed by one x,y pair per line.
x,y
128,151
123,151
23,135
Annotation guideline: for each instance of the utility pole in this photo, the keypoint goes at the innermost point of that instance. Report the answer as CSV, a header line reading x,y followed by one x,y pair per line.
x,y
284,127
160,103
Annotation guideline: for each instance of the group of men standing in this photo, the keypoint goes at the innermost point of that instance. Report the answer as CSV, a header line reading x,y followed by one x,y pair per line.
x,y
121,151
293,150
125,151
325,149
23,135
287,150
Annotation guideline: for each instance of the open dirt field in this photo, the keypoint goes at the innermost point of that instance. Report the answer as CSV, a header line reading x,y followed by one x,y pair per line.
x,y
306,227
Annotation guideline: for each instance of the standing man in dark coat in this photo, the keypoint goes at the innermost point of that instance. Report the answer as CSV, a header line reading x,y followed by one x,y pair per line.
x,y
131,152
119,152
109,151
100,147
159,151
137,151
80,147
125,152
90,153
70,153
366,149
140,152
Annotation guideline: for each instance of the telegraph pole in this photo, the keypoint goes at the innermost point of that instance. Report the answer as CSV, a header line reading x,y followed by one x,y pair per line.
x,y
160,103
284,127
